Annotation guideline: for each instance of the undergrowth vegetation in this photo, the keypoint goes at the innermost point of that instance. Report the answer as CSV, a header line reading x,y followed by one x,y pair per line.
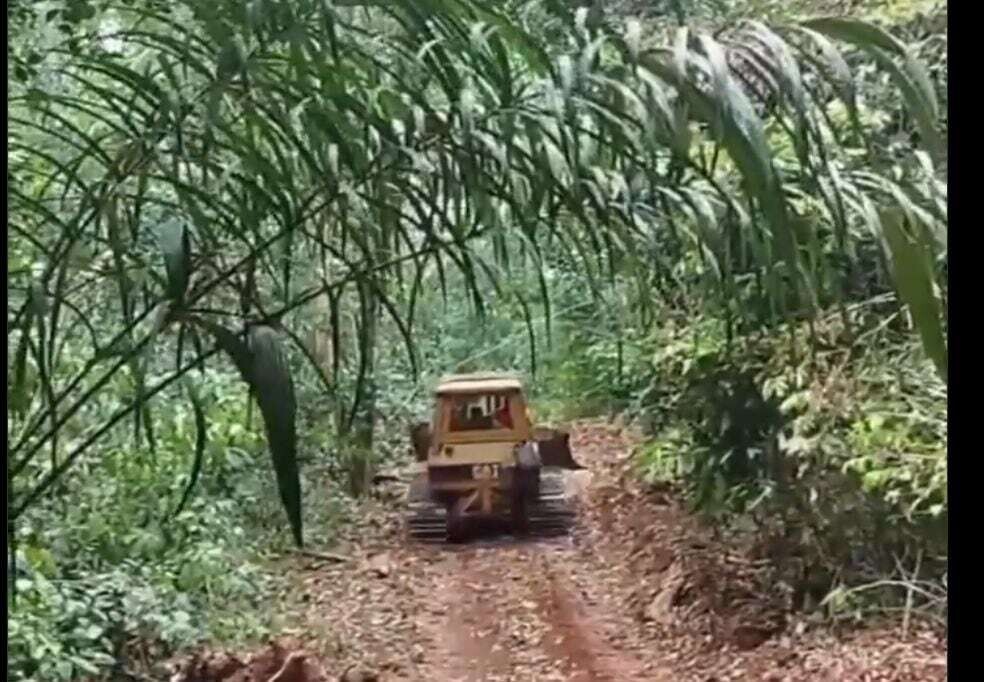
x,y
834,455
245,238
129,563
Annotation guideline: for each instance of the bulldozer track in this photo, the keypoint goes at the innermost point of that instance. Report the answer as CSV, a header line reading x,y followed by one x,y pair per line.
x,y
551,515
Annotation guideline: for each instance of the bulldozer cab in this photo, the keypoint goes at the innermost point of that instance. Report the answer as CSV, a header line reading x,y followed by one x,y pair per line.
x,y
479,418
481,410
480,457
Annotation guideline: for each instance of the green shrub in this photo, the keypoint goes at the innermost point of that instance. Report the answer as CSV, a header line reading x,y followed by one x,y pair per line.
x,y
838,457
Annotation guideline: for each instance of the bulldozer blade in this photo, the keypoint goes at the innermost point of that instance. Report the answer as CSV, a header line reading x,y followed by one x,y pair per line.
x,y
420,436
555,449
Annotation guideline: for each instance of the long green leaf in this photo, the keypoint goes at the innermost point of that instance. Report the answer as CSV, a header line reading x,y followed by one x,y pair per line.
x,y
921,103
175,246
18,390
273,386
911,75
201,438
914,280
857,31
234,346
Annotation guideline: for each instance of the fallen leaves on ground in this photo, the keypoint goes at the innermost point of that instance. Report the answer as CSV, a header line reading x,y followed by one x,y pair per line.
x,y
640,591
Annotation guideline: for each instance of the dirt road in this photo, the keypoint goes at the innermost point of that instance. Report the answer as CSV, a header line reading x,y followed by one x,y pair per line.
x,y
496,609
520,613
638,592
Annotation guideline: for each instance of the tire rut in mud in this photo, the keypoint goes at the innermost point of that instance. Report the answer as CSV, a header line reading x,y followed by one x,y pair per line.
x,y
509,612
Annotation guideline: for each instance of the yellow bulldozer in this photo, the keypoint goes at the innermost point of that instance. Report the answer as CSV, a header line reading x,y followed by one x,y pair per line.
x,y
481,463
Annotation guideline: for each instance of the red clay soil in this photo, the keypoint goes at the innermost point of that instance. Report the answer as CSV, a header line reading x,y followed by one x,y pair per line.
x,y
638,592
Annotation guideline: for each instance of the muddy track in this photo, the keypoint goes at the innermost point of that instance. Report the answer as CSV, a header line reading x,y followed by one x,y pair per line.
x,y
512,612
509,609
638,591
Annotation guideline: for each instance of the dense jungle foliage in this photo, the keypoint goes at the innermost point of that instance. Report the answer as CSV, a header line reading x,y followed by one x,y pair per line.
x,y
245,237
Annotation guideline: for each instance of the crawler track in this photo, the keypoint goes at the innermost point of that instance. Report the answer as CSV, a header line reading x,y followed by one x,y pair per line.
x,y
550,516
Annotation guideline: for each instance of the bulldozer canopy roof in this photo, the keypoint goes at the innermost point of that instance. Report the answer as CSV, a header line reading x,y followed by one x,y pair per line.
x,y
478,383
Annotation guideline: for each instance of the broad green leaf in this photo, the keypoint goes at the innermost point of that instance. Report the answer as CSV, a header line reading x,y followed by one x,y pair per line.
x,y
19,390
230,61
836,69
914,279
861,33
744,138
232,344
911,76
920,101
78,11
273,387
176,247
